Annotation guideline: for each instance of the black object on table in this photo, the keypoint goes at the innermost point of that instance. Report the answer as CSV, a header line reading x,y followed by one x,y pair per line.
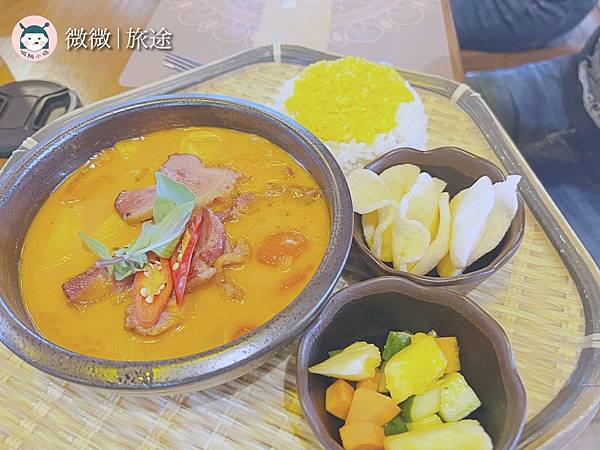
x,y
26,106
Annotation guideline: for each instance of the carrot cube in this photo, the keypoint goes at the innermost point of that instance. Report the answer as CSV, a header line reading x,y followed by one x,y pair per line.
x,y
362,436
371,406
449,346
338,398
370,383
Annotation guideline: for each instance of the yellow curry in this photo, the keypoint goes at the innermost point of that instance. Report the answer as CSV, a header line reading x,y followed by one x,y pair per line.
x,y
282,228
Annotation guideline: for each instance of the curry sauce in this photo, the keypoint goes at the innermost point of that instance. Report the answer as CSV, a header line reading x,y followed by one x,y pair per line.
x,y
287,200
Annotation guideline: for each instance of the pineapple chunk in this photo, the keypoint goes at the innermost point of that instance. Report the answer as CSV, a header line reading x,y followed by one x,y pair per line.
x,y
357,362
463,435
413,369
382,387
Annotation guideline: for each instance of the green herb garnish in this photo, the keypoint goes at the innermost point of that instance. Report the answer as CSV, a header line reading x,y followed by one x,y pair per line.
x,y
172,210
169,195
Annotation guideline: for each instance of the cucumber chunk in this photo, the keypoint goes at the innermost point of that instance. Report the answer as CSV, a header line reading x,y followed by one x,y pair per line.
x,y
428,421
395,426
396,341
458,400
418,406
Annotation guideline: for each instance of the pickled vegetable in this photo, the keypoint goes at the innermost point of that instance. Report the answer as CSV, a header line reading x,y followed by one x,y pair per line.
x,y
362,436
449,346
370,383
413,369
424,422
464,435
338,398
396,341
355,363
458,400
395,426
420,406
371,406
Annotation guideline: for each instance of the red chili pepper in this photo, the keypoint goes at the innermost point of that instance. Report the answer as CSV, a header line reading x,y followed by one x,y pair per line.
x,y
182,257
152,289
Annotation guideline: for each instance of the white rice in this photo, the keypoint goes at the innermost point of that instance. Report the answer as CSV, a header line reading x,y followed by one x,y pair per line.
x,y
410,131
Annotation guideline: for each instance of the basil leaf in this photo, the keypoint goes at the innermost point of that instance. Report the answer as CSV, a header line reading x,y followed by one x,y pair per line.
x,y
142,241
95,246
124,268
139,261
121,270
167,232
169,195
172,210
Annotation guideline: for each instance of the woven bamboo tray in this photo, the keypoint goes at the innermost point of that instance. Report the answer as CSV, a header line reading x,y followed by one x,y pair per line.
x,y
546,299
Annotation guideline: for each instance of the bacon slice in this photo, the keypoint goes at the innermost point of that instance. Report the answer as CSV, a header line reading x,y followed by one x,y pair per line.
x,y
94,285
199,273
135,206
210,245
238,255
240,203
207,183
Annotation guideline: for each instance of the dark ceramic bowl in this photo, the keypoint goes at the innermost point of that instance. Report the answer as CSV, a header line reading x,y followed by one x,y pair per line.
x,y
368,310
460,169
25,186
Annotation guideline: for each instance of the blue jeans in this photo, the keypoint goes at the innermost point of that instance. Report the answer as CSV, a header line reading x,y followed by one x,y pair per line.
x,y
515,25
541,107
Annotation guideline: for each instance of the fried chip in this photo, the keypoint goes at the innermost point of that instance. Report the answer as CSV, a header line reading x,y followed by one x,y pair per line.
x,y
382,237
500,217
368,191
399,179
423,199
440,244
470,209
410,239
446,269
369,223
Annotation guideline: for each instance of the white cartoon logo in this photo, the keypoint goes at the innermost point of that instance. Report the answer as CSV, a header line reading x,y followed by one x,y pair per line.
x,y
34,38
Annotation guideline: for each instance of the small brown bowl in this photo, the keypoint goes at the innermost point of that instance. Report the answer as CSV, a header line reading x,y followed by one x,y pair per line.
x,y
460,169
368,310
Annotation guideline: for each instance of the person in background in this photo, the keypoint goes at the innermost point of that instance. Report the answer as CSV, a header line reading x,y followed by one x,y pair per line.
x,y
515,25
551,109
